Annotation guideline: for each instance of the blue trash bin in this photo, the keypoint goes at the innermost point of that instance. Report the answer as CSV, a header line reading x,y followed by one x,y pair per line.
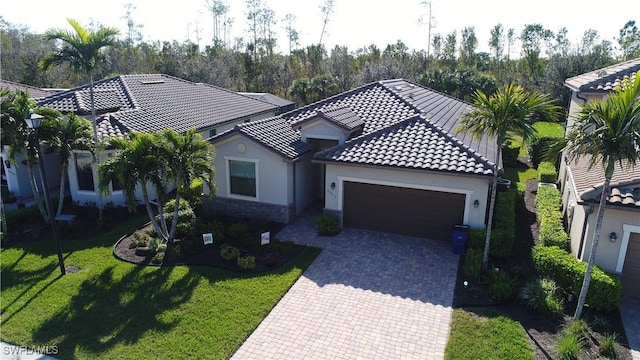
x,y
460,238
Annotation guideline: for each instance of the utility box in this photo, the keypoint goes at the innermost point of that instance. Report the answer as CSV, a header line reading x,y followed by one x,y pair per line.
x,y
460,238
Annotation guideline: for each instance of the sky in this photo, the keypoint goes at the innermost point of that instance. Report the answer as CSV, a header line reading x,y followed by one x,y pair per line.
x,y
353,23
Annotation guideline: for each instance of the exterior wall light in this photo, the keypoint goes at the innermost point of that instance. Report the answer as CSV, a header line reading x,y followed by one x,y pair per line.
x,y
613,237
476,204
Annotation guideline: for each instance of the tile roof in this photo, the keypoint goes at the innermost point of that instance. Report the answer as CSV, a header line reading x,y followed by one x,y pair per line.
x,y
605,79
380,106
412,143
588,182
339,115
34,92
152,102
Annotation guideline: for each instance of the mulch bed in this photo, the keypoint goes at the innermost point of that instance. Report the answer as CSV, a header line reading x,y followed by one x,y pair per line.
x,y
209,255
544,332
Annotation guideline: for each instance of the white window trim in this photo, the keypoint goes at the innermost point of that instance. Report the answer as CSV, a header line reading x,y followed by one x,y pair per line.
x,y
228,178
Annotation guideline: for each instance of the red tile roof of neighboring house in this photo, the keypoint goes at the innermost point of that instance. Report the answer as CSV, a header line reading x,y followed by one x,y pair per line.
x,y
605,79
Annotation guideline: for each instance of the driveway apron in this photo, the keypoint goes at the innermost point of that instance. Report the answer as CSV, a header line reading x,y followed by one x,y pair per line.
x,y
368,295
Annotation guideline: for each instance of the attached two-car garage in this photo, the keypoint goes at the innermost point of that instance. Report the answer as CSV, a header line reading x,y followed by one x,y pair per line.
x,y
402,210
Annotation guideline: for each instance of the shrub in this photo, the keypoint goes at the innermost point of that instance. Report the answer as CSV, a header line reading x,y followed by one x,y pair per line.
x,y
473,263
607,346
328,225
569,346
501,285
547,172
158,258
552,233
193,193
239,230
537,148
156,245
173,252
229,252
605,289
140,239
510,153
542,295
247,262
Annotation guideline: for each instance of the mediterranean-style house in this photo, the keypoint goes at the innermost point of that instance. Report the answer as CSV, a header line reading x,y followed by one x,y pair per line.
x,y
383,156
581,187
148,103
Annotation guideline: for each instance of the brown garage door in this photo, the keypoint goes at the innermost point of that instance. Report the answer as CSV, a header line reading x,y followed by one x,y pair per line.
x,y
631,268
398,210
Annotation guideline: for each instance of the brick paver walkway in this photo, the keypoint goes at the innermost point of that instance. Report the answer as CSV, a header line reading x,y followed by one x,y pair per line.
x,y
367,296
630,314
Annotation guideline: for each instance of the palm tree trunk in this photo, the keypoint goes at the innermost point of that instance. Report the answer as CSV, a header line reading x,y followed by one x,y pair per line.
x,y
36,194
95,137
154,223
176,210
62,186
594,247
492,204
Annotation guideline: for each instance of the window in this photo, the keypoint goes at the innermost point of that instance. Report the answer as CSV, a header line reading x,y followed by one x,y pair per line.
x,y
212,132
242,178
84,172
115,184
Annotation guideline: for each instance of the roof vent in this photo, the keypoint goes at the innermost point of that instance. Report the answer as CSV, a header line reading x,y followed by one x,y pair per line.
x,y
151,82
601,73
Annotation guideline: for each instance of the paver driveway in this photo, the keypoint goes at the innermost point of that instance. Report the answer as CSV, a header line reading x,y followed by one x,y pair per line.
x,y
367,296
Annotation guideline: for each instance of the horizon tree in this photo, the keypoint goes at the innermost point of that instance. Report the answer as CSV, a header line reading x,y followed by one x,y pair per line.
x,y
509,110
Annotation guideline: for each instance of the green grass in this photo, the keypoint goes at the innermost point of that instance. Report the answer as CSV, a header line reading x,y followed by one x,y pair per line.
x,y
486,335
115,310
548,129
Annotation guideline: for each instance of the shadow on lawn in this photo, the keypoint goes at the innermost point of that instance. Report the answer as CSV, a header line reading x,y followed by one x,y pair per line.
x,y
109,309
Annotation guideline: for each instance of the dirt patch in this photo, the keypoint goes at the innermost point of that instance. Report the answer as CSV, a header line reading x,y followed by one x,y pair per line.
x,y
544,331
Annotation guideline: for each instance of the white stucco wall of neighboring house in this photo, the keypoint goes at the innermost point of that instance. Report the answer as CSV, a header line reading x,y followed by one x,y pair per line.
x,y
18,179
321,129
83,197
474,187
274,174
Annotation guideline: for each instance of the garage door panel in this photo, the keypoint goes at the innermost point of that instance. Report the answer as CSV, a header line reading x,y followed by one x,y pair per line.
x,y
631,269
406,211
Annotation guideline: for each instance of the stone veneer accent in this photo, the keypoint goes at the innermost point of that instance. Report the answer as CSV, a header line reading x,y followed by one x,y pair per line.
x,y
250,209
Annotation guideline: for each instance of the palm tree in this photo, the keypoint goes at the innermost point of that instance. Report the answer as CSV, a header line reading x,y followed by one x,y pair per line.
x,y
511,110
608,133
81,48
138,161
189,157
73,133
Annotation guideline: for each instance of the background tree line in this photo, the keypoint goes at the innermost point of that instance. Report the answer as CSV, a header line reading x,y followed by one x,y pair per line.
x,y
454,65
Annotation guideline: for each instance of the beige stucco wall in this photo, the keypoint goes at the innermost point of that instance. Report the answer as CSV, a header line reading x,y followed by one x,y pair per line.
x,y
274,174
474,187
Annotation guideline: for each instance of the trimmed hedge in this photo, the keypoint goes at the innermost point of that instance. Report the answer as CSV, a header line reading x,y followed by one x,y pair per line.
x,y
547,173
510,152
553,262
503,231
548,205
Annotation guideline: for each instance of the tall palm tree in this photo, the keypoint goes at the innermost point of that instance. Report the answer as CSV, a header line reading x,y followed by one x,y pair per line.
x,y
189,157
138,161
511,110
608,133
81,48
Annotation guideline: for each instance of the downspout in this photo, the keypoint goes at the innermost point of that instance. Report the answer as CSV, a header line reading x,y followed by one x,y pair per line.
x,y
588,210
295,197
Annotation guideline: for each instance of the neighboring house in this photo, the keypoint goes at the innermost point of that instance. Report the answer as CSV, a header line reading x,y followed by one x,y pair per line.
x,y
383,156
149,103
619,247
14,176
284,105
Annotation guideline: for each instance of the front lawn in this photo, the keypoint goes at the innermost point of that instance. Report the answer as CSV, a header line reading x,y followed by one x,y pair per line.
x,y
486,335
111,309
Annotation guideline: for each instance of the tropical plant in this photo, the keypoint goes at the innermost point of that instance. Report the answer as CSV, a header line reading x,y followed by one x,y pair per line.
x,y
137,161
73,133
82,49
188,157
607,132
511,110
